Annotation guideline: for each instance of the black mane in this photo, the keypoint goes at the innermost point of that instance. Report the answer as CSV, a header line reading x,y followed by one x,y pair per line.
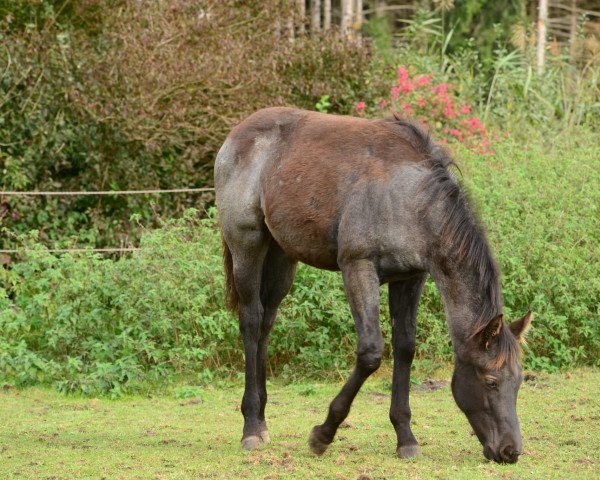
x,y
462,234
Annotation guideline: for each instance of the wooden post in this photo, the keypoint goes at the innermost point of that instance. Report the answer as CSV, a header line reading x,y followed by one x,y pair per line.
x,y
315,15
542,27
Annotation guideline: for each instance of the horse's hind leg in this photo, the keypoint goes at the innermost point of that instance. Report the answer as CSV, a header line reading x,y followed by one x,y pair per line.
x,y
248,245
404,300
362,288
277,277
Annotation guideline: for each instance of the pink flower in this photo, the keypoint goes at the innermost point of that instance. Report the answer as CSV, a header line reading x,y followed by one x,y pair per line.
x,y
407,87
475,125
441,89
402,75
437,105
448,111
424,80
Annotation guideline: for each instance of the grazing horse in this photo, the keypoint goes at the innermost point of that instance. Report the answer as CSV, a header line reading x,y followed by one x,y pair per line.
x,y
376,200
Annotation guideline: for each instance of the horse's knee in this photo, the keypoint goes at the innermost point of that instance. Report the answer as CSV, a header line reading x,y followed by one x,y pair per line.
x,y
369,358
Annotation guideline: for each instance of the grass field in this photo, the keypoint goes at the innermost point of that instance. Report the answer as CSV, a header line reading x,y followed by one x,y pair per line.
x,y
46,435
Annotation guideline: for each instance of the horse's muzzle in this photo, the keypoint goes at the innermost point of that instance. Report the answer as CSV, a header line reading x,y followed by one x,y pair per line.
x,y
506,454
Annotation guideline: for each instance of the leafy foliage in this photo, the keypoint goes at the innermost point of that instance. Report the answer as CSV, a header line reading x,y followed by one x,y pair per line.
x,y
434,104
93,325
132,95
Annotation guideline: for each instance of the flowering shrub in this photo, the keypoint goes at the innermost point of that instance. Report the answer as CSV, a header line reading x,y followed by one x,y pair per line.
x,y
435,105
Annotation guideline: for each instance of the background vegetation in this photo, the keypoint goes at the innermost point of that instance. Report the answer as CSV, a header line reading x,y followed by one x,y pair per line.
x,y
128,94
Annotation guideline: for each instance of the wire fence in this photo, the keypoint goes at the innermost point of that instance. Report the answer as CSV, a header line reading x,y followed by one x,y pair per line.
x,y
104,192
107,192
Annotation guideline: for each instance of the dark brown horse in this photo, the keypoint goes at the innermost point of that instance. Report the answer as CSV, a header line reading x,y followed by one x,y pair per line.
x,y
374,199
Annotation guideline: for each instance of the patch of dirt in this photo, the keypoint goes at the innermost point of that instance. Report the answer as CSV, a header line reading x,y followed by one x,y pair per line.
x,y
193,401
431,385
380,394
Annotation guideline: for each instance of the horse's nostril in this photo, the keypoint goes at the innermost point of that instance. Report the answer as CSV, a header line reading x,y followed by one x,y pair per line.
x,y
509,454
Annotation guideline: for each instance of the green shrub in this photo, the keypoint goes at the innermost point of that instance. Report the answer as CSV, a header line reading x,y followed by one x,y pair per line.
x,y
132,95
94,325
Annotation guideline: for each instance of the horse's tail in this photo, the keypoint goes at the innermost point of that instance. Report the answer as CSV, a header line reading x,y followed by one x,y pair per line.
x,y
232,298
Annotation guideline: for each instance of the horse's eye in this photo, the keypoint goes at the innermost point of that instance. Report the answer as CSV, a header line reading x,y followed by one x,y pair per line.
x,y
491,383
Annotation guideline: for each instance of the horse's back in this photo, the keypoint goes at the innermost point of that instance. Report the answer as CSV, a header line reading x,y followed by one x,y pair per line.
x,y
297,171
331,188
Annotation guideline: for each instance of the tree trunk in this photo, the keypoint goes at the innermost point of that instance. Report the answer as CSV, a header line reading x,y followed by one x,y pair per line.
x,y
573,30
346,21
358,14
358,19
301,10
542,26
380,8
289,26
315,15
326,15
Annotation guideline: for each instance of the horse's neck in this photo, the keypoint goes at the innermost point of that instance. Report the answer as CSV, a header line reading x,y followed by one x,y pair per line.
x,y
465,297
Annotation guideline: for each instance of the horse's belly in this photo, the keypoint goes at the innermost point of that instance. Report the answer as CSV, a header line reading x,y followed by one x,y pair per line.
x,y
305,237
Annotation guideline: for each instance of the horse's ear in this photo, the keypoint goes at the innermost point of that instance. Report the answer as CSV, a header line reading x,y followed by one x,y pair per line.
x,y
491,331
520,327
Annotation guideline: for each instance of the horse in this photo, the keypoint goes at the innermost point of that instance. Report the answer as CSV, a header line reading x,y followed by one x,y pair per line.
x,y
378,201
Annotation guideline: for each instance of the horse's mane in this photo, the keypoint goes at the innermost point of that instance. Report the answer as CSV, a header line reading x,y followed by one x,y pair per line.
x,y
462,233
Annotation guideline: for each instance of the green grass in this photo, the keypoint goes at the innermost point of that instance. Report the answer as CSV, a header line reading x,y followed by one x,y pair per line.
x,y
44,434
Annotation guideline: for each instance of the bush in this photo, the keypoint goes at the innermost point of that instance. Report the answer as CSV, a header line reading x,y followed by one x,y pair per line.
x,y
92,325
500,83
141,94
436,105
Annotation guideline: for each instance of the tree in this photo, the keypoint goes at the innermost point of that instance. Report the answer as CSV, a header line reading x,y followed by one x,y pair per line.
x,y
347,15
315,15
326,15
542,26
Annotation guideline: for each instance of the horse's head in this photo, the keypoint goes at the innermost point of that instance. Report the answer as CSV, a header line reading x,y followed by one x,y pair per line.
x,y
485,385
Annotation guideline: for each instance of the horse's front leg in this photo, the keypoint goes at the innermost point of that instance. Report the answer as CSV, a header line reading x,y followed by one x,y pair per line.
x,y
404,300
362,288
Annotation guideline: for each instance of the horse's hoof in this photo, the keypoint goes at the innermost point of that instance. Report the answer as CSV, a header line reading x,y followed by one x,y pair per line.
x,y
317,446
265,437
408,451
251,443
